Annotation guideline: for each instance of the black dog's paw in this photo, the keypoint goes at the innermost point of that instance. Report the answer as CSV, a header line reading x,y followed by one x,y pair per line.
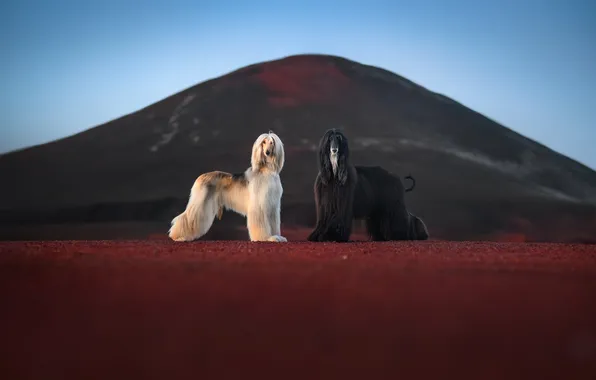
x,y
341,234
334,234
322,238
314,236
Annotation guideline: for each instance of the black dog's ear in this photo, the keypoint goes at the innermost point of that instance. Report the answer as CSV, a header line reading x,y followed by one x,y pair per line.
x,y
344,159
325,165
342,169
325,178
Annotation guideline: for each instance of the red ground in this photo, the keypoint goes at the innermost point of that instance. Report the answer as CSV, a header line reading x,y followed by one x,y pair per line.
x,y
105,310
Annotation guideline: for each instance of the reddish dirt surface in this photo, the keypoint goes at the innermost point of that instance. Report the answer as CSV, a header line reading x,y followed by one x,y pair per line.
x,y
301,80
161,310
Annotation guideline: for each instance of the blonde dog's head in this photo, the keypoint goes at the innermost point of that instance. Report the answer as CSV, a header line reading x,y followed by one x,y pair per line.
x,y
268,152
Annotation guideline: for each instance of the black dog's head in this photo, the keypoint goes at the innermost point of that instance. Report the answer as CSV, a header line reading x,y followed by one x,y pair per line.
x,y
334,156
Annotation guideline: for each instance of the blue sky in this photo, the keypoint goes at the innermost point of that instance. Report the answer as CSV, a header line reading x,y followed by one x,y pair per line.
x,y
71,65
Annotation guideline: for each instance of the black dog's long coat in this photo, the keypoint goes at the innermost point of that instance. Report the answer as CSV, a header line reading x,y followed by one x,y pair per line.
x,y
359,192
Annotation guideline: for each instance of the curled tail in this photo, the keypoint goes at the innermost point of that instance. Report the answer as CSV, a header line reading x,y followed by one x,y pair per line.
x,y
409,176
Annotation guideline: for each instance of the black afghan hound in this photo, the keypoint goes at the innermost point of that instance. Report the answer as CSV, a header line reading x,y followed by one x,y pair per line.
x,y
344,192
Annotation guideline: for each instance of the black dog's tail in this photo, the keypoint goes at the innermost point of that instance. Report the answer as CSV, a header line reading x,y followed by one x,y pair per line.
x,y
409,176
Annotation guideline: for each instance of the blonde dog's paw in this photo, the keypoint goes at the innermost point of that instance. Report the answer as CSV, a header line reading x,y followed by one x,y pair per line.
x,y
178,238
277,239
175,237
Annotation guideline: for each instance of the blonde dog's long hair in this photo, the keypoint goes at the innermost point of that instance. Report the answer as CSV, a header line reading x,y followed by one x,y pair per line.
x,y
256,194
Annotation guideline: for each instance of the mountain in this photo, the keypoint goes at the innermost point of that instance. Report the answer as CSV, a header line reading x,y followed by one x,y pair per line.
x,y
476,179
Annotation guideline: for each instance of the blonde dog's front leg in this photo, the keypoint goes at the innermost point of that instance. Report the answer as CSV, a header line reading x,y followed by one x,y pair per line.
x,y
263,215
259,227
275,223
256,223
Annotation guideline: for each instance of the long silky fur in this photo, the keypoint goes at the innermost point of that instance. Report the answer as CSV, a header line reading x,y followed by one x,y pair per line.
x,y
334,192
360,192
255,194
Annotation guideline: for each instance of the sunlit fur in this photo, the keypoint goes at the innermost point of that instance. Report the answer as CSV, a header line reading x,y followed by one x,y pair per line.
x,y
344,192
256,194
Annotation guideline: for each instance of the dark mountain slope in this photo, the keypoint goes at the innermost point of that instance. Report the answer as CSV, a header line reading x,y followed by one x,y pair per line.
x,y
475,178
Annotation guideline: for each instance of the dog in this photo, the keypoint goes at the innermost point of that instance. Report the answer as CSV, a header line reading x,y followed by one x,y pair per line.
x,y
344,192
255,194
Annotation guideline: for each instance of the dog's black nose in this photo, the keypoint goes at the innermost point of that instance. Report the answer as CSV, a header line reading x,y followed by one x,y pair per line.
x,y
267,152
333,150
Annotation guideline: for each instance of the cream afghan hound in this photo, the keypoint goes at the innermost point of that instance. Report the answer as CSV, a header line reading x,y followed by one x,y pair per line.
x,y
256,194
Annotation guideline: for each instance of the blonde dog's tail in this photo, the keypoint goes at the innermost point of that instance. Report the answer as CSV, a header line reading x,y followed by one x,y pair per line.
x,y
210,194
